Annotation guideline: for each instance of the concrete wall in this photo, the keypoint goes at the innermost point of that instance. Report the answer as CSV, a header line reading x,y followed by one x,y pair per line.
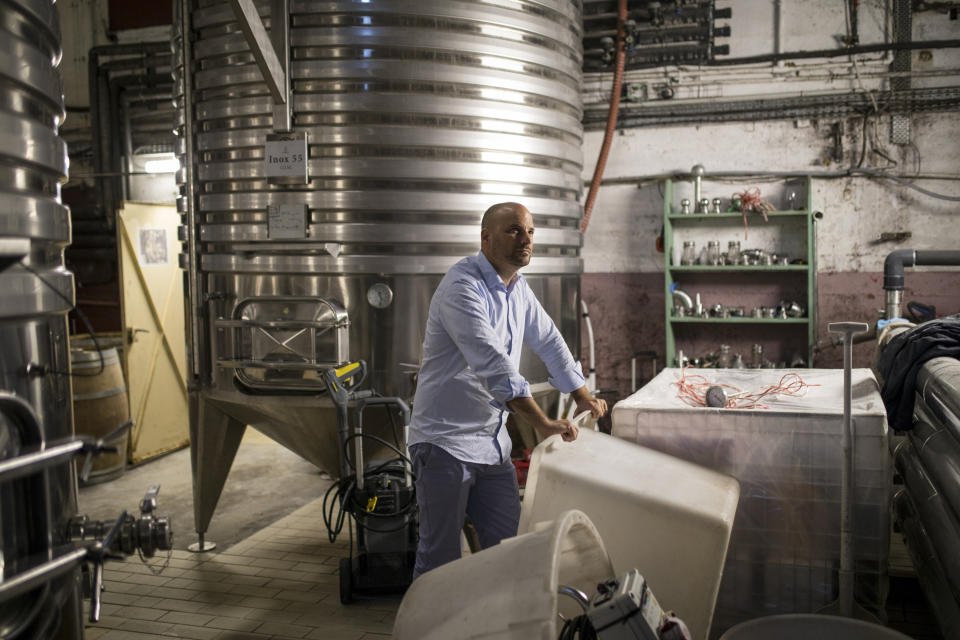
x,y
623,281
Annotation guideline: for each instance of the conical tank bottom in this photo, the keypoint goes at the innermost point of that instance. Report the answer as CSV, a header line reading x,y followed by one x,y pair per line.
x,y
308,426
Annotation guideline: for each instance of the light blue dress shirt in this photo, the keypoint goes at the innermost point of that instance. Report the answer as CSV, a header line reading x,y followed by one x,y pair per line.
x,y
476,329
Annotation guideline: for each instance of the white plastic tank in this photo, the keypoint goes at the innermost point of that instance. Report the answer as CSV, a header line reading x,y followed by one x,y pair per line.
x,y
668,518
785,548
509,591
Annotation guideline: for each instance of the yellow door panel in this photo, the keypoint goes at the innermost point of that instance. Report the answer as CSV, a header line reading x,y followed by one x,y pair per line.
x,y
154,334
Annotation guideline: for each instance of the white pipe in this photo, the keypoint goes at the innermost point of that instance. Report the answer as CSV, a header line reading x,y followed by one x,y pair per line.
x,y
685,92
599,82
592,371
683,75
564,405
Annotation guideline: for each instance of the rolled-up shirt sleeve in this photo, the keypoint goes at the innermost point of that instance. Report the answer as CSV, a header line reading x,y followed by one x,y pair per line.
x,y
463,315
541,335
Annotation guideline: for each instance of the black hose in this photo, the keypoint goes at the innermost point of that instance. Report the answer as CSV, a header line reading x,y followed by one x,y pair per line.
x,y
343,491
83,318
579,628
350,438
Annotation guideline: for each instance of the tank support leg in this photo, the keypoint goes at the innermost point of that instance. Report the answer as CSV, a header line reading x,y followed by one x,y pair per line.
x,y
214,440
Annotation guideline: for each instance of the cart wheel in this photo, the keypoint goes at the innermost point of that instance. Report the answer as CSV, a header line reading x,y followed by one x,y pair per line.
x,y
346,581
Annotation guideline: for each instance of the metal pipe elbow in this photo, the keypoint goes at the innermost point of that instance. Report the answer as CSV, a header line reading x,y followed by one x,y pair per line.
x,y
893,268
683,298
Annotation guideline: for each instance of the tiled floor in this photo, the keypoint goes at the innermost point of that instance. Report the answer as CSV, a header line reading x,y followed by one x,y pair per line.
x,y
279,583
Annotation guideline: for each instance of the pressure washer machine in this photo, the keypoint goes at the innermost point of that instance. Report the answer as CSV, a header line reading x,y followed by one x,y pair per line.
x,y
376,500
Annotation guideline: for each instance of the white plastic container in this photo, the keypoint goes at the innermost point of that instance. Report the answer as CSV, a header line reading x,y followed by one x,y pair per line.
x,y
668,518
785,547
509,591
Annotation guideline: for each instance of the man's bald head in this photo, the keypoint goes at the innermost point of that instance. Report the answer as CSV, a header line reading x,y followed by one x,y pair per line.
x,y
500,208
506,238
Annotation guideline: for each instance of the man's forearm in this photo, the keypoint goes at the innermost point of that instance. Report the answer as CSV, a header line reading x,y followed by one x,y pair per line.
x,y
529,410
581,394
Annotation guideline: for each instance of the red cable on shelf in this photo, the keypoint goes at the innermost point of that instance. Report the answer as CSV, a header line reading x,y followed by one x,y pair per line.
x,y
750,200
611,116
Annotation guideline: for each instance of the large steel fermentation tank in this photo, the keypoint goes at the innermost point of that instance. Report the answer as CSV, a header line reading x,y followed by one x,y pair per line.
x,y
418,115
35,601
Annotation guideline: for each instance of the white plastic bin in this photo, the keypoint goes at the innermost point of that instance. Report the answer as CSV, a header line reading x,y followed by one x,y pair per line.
x,y
785,547
668,518
509,591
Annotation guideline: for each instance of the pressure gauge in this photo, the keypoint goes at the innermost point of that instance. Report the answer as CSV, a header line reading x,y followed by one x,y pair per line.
x,y
380,295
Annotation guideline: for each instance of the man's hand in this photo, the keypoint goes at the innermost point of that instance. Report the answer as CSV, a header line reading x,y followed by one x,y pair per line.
x,y
535,417
567,430
596,406
586,402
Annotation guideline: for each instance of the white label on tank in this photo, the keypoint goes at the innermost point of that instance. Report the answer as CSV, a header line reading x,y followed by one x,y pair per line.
x,y
285,156
287,221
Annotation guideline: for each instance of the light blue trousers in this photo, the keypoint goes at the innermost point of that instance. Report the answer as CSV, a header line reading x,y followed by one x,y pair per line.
x,y
448,490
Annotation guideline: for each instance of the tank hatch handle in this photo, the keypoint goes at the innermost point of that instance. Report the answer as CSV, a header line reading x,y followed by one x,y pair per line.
x,y
94,448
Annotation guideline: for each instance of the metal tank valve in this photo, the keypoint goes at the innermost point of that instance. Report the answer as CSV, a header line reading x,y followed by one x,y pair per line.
x,y
115,539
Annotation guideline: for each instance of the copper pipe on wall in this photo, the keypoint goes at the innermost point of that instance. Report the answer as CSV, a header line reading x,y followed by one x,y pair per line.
x,y
611,116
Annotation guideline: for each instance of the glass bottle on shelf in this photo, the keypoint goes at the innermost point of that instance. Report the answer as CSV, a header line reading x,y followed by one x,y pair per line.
x,y
793,200
757,356
689,255
713,252
733,252
725,359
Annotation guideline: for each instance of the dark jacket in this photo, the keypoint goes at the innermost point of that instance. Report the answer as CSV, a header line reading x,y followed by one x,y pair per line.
x,y
901,360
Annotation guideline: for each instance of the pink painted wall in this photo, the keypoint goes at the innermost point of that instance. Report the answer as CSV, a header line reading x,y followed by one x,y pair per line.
x,y
857,296
627,312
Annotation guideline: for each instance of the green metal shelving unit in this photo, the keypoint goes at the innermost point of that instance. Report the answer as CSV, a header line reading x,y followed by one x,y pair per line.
x,y
673,221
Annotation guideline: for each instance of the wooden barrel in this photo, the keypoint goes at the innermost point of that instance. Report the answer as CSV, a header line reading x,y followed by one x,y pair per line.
x,y
100,406
105,340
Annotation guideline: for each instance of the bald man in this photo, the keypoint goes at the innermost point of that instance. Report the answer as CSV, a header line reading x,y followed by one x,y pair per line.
x,y
481,315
